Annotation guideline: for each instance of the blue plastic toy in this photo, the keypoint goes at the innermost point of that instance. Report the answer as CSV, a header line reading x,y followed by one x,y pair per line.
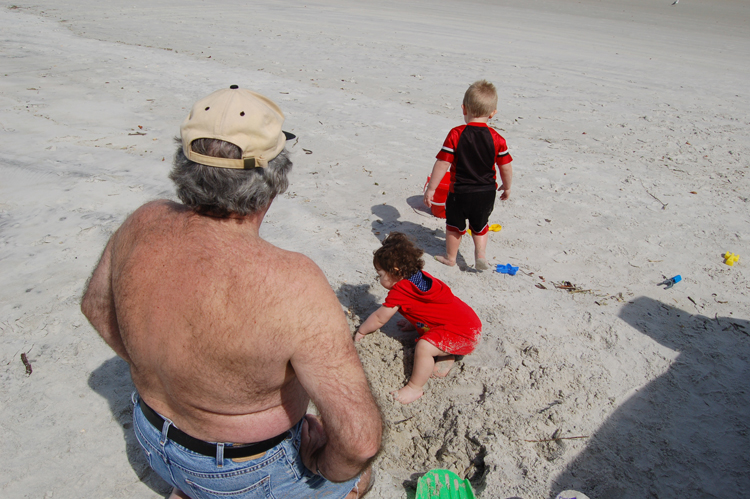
x,y
507,269
671,282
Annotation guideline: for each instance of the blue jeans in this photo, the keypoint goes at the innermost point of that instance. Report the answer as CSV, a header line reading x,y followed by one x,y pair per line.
x,y
278,473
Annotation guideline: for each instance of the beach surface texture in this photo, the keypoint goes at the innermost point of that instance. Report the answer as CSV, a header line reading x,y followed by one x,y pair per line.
x,y
628,122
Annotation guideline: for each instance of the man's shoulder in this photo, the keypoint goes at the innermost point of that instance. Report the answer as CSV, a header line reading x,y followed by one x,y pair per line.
x,y
148,215
298,261
292,267
155,210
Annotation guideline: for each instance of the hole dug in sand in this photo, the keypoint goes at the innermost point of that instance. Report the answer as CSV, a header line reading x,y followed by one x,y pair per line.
x,y
444,429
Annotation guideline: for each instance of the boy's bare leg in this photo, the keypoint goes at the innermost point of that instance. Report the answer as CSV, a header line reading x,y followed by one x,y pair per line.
x,y
452,242
363,487
480,251
443,366
424,363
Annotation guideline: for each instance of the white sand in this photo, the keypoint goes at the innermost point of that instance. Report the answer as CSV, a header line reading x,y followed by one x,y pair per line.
x,y
628,123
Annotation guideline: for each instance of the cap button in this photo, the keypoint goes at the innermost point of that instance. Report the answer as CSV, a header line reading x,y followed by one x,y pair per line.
x,y
234,86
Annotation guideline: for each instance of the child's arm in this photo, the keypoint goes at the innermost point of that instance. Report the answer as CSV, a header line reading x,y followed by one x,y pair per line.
x,y
377,319
438,172
506,175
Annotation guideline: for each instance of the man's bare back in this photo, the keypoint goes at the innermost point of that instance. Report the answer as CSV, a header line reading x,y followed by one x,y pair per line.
x,y
188,289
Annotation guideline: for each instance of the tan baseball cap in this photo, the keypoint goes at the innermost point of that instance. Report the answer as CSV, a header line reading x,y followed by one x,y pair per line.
x,y
248,120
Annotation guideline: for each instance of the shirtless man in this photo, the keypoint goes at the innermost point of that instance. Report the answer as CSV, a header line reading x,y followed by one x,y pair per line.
x,y
228,337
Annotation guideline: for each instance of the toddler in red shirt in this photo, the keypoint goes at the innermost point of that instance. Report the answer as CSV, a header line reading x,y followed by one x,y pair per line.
x,y
447,326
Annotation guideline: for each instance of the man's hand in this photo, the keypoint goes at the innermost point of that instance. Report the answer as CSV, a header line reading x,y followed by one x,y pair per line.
x,y
313,439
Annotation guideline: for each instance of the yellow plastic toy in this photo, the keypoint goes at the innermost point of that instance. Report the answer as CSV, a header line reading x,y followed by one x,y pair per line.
x,y
730,258
493,228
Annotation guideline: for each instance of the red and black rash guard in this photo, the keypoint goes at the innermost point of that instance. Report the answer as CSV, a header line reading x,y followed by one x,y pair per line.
x,y
472,150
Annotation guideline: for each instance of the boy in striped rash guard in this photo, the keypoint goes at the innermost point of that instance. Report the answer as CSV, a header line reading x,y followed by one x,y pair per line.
x,y
446,325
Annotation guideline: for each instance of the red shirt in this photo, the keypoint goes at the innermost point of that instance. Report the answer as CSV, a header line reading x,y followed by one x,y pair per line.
x,y
440,317
473,150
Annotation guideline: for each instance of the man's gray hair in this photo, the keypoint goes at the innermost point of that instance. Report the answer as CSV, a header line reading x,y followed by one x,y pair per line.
x,y
223,191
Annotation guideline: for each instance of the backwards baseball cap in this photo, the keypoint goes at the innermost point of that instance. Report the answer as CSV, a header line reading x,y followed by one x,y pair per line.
x,y
246,119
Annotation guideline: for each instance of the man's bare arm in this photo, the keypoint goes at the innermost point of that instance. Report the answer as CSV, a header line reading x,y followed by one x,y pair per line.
x,y
98,304
327,365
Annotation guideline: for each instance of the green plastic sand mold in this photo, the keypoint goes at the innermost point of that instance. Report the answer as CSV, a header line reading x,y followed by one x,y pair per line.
x,y
443,484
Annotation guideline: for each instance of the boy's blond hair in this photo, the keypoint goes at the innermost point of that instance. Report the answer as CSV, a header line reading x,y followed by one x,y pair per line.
x,y
480,99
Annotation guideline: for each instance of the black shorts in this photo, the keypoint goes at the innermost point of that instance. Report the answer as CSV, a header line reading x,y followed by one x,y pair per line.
x,y
475,206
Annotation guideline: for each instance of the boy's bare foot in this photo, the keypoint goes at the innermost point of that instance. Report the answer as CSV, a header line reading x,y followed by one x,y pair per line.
x,y
444,260
481,264
443,366
407,394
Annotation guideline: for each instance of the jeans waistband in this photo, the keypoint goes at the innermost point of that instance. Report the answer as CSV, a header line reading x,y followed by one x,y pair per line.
x,y
208,448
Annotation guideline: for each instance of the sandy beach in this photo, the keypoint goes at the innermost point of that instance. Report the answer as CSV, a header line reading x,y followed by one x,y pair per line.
x,y
629,127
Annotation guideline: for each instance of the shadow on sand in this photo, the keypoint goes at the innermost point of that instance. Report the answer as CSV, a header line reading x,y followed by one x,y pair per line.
x,y
112,381
432,241
687,432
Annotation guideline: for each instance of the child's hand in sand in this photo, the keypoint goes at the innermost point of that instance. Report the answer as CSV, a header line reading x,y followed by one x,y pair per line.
x,y
358,336
406,325
407,394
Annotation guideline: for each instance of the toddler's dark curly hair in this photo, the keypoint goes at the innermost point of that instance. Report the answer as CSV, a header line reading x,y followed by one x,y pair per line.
x,y
398,256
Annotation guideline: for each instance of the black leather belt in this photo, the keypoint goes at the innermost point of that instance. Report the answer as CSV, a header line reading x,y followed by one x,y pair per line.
x,y
207,448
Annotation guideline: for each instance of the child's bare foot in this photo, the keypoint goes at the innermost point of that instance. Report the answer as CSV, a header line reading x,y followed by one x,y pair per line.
x,y
443,366
407,394
481,264
445,261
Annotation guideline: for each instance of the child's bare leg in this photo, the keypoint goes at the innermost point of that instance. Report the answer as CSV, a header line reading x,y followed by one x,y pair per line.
x,y
424,363
480,251
452,242
443,366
